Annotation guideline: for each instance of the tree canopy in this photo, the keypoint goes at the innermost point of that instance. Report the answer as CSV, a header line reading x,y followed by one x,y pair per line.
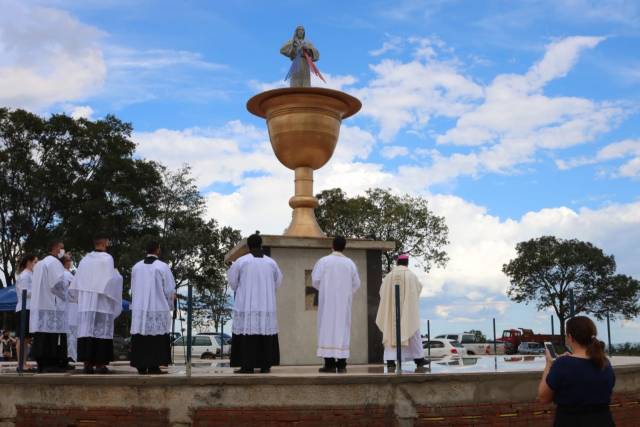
x,y
67,178
382,215
546,268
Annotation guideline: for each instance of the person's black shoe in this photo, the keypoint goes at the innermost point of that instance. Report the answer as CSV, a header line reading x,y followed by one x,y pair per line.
x,y
265,370
327,370
342,370
156,371
88,370
142,371
243,371
420,362
103,370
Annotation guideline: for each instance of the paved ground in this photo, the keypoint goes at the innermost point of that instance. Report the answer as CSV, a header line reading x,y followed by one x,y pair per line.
x,y
443,366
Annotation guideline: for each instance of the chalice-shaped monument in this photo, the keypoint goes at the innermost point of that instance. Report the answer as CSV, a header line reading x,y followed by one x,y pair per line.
x,y
304,126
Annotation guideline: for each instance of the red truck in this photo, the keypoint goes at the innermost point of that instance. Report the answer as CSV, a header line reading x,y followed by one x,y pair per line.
x,y
513,337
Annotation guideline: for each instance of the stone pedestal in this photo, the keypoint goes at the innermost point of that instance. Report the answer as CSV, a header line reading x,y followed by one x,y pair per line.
x,y
297,315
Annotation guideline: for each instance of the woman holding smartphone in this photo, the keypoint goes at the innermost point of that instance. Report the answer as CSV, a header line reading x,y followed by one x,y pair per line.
x,y
579,383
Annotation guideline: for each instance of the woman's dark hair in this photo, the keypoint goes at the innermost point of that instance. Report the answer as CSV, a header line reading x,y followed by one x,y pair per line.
x,y
24,261
584,331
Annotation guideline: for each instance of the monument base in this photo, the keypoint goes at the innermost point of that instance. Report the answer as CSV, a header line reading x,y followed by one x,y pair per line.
x,y
297,300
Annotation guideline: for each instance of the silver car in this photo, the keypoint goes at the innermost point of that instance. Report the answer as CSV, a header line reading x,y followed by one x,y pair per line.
x,y
530,348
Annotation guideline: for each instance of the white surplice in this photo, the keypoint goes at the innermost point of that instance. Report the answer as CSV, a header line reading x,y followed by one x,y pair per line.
x,y
336,278
152,291
254,281
410,288
72,317
99,287
24,281
72,299
48,295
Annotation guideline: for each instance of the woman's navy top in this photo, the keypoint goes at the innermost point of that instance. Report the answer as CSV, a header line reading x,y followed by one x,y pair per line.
x,y
579,382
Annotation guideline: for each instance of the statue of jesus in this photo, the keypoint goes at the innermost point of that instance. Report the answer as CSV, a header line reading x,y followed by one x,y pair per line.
x,y
303,55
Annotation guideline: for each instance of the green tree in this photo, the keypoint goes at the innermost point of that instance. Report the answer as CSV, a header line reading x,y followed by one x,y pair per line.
x,y
194,247
68,178
546,268
213,298
382,215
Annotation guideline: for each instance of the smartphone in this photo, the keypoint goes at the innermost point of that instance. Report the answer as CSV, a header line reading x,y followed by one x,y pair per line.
x,y
551,350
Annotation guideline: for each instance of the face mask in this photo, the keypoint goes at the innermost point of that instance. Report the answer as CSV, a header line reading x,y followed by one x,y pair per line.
x,y
61,253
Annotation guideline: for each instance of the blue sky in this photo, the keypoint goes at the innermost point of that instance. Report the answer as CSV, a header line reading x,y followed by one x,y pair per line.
x,y
514,119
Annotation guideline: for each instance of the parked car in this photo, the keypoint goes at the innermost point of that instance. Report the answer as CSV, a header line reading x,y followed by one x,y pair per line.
x,y
226,336
473,346
439,347
530,348
202,347
513,337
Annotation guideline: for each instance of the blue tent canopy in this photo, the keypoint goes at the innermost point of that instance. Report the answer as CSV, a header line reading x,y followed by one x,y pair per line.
x,y
9,299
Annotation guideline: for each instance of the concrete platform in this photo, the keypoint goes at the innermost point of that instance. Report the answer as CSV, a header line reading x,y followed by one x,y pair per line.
x,y
298,395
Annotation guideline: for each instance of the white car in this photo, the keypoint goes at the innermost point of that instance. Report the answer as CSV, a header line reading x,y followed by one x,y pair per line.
x,y
440,347
202,347
474,347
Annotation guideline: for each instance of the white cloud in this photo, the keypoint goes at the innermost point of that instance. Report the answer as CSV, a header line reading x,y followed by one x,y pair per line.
x,y
81,112
628,148
215,155
141,75
47,57
391,44
393,151
226,154
409,94
515,108
512,124
466,307
630,169
442,310
131,59
481,243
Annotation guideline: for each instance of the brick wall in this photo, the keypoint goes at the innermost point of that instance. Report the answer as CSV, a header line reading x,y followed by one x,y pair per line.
x,y
94,417
625,409
308,417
